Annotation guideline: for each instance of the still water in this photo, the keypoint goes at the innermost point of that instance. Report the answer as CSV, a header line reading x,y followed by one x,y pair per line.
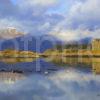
x,y
51,79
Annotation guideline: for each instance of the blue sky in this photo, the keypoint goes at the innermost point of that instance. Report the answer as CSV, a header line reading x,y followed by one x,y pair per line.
x,y
66,20
14,1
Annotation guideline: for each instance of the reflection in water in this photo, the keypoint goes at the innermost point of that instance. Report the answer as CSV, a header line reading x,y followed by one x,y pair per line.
x,y
63,85
15,60
67,83
94,63
10,77
96,68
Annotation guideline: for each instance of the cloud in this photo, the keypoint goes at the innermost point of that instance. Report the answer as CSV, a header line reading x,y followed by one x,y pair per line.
x,y
10,33
4,23
36,6
75,34
37,2
11,28
7,8
77,20
29,16
88,10
82,20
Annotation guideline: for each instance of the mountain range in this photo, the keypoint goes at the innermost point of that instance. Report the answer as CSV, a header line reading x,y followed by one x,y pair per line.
x,y
25,43
31,43
12,39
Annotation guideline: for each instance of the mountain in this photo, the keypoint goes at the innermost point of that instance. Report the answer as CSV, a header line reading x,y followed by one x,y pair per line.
x,y
12,39
26,42
10,33
85,40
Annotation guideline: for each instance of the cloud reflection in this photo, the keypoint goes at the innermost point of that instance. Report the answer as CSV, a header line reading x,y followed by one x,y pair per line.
x,y
63,85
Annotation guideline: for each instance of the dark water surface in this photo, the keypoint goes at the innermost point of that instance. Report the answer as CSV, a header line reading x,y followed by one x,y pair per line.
x,y
56,79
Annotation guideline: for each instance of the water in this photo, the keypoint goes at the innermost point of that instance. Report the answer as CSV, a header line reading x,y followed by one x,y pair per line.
x,y
56,80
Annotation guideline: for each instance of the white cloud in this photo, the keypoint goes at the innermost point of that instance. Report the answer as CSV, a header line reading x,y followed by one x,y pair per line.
x,y
39,3
66,35
43,2
88,10
45,26
82,21
77,34
4,23
6,27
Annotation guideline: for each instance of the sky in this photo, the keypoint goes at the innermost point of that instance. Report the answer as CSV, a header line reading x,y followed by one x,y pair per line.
x,y
66,20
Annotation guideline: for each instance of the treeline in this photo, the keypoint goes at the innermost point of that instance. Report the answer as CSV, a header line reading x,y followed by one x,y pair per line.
x,y
73,46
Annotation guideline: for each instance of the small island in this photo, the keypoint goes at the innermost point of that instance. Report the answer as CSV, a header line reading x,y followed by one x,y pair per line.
x,y
15,56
